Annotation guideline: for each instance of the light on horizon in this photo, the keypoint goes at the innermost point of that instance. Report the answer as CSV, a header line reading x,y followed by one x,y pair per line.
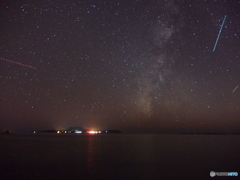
x,y
78,132
92,132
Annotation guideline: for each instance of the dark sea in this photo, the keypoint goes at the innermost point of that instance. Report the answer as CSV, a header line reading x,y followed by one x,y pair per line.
x,y
117,156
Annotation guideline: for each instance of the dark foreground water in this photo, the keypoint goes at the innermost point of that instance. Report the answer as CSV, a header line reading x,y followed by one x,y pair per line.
x,y
118,156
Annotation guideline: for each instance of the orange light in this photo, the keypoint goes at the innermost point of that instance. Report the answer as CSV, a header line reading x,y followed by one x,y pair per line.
x,y
92,132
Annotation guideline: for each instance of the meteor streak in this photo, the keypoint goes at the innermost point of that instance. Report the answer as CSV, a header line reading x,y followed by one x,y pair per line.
x,y
21,64
235,88
219,33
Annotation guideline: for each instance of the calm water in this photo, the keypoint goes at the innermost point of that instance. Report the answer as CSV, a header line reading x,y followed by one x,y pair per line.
x,y
119,156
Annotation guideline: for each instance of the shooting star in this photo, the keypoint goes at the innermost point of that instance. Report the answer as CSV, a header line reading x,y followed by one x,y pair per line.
x,y
15,62
219,33
235,88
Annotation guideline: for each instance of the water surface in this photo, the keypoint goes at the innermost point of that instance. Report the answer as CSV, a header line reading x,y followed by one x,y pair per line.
x,y
117,156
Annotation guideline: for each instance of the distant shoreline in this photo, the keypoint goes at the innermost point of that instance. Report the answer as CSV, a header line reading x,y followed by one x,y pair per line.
x,y
127,133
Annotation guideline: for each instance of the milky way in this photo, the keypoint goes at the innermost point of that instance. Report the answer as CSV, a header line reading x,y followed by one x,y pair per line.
x,y
158,70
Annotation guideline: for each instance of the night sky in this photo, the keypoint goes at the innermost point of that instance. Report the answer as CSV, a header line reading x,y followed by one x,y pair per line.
x,y
132,65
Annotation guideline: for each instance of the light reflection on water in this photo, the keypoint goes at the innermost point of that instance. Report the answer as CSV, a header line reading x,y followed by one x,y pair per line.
x,y
89,153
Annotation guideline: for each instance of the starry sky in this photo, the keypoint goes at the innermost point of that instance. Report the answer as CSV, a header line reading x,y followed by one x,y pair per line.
x,y
133,65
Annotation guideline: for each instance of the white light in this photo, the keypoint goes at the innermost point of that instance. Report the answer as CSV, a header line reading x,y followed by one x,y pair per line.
x,y
78,132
